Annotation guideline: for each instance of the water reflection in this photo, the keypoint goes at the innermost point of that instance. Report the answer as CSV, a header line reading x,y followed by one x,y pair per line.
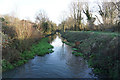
x,y
59,64
51,38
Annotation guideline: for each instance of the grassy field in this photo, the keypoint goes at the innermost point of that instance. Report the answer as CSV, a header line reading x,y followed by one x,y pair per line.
x,y
40,49
99,48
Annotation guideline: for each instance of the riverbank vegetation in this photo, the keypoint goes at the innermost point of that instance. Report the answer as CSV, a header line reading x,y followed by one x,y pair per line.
x,y
39,49
19,35
94,35
101,49
92,30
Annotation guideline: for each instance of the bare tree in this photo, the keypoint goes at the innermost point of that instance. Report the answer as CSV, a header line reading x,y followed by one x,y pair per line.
x,y
70,23
108,12
90,19
117,5
76,13
41,17
63,20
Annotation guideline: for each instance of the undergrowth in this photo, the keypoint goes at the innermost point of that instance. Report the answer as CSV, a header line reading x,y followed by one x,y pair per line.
x,y
40,49
99,48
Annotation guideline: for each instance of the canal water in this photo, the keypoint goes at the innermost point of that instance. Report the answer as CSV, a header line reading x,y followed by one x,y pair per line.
x,y
59,64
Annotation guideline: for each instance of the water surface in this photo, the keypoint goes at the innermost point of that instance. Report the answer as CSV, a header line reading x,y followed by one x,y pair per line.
x,y
59,64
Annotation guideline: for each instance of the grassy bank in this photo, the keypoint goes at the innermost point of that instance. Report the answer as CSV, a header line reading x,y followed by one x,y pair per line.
x,y
39,49
17,38
99,48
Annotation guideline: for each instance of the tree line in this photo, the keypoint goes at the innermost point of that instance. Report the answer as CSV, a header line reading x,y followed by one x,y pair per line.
x,y
108,11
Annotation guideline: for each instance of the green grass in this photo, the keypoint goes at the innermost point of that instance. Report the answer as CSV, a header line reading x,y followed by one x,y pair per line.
x,y
6,65
98,32
40,49
74,52
66,43
99,48
77,53
75,49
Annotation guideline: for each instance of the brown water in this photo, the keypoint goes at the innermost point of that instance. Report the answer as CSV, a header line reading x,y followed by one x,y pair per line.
x,y
59,64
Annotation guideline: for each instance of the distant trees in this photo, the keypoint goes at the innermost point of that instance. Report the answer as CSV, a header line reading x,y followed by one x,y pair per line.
x,y
109,12
76,13
117,5
41,19
90,19
74,19
43,23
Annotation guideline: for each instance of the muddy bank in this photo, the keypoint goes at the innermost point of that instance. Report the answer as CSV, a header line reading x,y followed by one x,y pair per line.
x,y
101,49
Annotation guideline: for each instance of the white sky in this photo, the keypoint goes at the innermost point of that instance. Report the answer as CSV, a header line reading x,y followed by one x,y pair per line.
x,y
26,9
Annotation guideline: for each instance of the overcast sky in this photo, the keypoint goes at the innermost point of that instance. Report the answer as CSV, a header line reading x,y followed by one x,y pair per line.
x,y
26,9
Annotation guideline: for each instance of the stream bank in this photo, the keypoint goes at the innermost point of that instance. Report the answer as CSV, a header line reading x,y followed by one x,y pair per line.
x,y
99,48
60,64
40,49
